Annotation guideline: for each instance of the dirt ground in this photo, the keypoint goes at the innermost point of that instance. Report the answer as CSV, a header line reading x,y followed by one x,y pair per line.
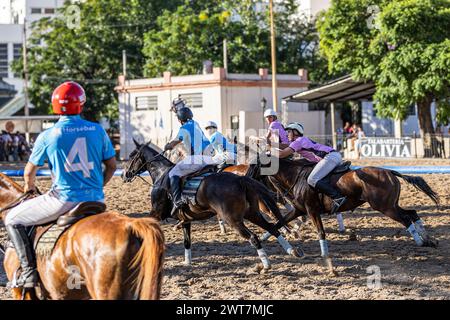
x,y
223,265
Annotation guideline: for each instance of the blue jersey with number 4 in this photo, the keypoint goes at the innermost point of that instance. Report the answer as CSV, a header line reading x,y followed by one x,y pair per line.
x,y
75,149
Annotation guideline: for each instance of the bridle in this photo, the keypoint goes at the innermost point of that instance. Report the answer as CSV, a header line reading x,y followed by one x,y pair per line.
x,y
136,173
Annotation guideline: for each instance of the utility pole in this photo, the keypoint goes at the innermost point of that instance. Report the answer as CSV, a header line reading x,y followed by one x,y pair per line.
x,y
225,55
274,58
124,63
25,80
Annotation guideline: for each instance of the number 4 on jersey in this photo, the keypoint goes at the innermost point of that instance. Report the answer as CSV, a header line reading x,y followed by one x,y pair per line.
x,y
79,148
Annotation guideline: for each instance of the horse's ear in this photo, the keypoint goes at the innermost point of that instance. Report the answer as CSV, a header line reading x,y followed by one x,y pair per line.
x,y
136,143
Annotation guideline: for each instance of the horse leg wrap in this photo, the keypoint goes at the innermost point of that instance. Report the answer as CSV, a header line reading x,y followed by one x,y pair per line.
x,y
222,227
266,236
340,221
286,245
324,247
264,258
289,207
187,257
417,238
420,227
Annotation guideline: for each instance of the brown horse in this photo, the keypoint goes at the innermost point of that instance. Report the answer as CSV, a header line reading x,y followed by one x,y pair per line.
x,y
110,256
380,188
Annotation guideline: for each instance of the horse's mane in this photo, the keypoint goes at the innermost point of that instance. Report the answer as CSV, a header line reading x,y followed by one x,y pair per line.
x,y
9,183
299,162
157,149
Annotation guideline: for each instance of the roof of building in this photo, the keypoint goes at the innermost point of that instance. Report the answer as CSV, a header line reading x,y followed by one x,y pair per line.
x,y
6,88
339,90
219,76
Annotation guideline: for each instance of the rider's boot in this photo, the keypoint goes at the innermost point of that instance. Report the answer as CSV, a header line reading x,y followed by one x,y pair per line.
x,y
338,199
178,201
19,237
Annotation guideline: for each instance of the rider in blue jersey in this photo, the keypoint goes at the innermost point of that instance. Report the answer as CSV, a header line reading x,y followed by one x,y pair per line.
x,y
226,152
75,150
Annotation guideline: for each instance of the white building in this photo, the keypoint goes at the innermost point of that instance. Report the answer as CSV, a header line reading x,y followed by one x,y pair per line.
x,y
311,8
233,101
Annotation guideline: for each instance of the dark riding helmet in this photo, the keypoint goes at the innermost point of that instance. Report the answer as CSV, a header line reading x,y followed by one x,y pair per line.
x,y
184,114
178,103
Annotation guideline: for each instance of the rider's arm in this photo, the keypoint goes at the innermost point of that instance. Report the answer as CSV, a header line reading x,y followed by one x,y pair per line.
x,y
110,168
279,145
29,176
268,135
172,144
286,152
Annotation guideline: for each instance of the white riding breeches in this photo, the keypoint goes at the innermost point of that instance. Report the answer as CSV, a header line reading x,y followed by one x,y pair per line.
x,y
191,164
40,210
324,167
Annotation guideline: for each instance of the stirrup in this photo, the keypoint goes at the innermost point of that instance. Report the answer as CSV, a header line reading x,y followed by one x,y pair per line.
x,y
337,203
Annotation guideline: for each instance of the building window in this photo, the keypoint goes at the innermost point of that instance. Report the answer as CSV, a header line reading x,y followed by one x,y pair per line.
x,y
146,103
3,60
193,100
17,55
36,10
49,10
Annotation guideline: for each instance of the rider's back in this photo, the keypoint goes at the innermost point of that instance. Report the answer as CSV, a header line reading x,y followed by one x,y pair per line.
x,y
75,149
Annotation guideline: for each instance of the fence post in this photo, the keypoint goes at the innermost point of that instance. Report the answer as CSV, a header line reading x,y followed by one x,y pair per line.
x,y
415,143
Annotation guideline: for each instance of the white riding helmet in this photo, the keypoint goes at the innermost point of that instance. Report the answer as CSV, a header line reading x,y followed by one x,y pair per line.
x,y
210,124
296,126
269,112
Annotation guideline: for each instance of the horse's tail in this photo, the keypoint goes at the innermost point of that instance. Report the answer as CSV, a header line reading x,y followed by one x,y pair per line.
x,y
148,262
265,195
420,184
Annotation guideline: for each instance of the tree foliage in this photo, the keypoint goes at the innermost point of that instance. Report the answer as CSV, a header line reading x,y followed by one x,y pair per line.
x,y
89,49
403,46
194,33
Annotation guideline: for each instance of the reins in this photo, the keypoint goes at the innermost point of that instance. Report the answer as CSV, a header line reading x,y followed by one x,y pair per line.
x,y
146,162
19,200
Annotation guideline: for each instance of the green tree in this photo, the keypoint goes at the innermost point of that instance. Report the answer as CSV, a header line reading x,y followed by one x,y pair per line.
x,y
403,46
89,49
195,32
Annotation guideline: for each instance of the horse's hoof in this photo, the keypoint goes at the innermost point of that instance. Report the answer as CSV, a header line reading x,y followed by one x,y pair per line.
x,y
297,253
261,269
430,242
352,236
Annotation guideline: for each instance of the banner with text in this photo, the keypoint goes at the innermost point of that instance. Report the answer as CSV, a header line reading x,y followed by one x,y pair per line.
x,y
385,148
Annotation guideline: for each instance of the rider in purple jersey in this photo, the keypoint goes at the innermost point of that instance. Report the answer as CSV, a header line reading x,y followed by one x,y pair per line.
x,y
326,158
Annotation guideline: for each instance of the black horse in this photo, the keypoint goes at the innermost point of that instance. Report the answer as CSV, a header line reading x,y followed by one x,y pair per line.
x,y
233,198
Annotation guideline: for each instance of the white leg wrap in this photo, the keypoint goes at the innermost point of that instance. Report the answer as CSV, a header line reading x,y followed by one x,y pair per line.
x,y
417,238
324,247
264,259
340,221
288,207
266,236
187,257
420,227
222,227
286,245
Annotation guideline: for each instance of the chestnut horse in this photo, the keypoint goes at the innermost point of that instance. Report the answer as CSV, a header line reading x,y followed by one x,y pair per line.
x,y
110,256
380,188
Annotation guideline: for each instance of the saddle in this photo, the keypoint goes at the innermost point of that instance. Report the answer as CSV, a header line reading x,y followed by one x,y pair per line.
x,y
44,237
343,167
191,183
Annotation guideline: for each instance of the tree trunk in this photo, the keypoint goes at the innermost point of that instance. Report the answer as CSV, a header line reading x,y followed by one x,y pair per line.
x,y
426,127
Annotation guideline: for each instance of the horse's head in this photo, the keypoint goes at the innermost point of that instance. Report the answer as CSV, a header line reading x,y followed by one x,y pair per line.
x,y
144,158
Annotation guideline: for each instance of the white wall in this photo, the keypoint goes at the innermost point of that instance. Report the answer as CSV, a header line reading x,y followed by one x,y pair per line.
x,y
376,126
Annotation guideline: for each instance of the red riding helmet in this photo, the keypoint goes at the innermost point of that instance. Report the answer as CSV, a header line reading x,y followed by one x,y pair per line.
x,y
68,98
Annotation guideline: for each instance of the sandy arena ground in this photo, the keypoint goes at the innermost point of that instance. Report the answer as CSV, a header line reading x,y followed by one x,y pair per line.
x,y
223,264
